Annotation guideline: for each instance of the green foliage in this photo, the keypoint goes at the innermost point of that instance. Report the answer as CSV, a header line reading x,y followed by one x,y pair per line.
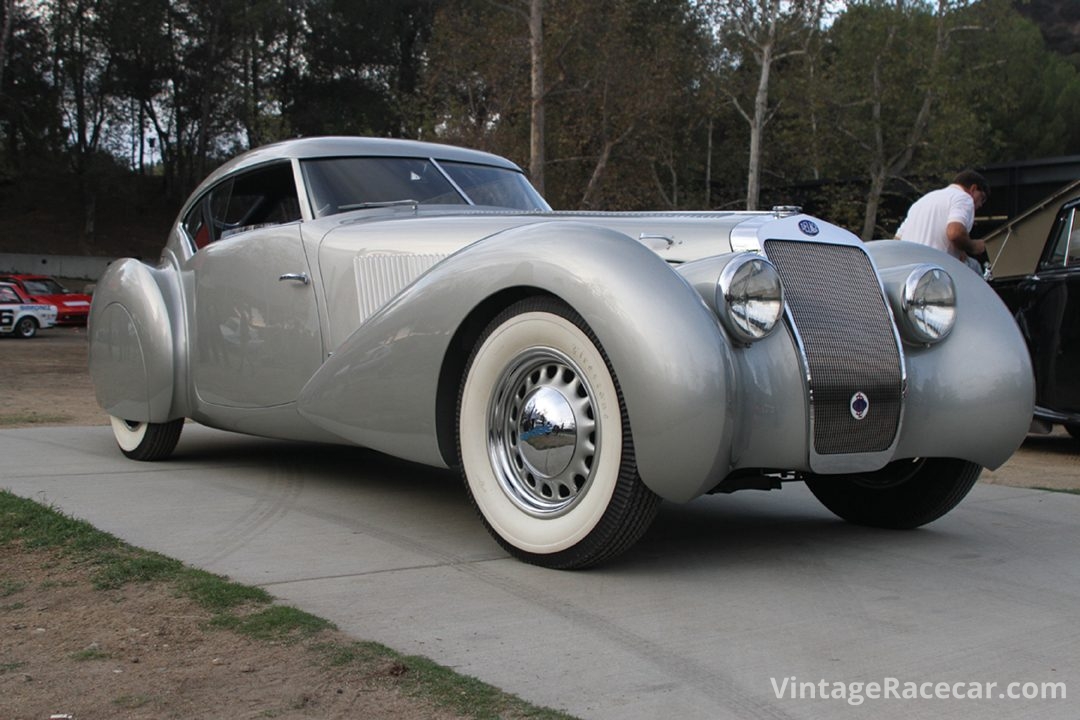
x,y
10,587
421,678
37,526
640,96
277,622
122,568
218,594
90,654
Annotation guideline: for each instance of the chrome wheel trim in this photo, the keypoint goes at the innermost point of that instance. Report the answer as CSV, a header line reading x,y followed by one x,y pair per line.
x,y
543,432
129,434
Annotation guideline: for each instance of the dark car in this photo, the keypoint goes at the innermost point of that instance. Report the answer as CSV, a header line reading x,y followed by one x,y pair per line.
x,y
1045,300
73,308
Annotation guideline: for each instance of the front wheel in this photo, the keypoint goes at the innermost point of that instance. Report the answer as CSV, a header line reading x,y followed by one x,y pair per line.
x,y
1073,430
544,440
904,494
145,440
26,328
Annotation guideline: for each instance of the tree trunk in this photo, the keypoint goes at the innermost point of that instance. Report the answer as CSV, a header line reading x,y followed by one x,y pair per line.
x,y
597,174
7,7
873,201
536,57
757,127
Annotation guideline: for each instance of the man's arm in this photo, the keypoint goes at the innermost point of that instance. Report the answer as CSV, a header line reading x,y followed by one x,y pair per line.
x,y
961,240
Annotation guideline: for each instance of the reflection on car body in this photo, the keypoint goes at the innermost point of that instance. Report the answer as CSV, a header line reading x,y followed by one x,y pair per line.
x,y
424,301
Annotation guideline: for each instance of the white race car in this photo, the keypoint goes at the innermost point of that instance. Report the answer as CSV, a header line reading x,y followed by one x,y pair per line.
x,y
20,317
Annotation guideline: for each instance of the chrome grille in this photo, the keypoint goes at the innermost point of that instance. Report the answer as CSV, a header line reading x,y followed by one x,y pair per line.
x,y
835,302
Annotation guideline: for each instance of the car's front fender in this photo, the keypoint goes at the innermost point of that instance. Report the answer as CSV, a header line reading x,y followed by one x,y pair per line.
x,y
670,357
972,395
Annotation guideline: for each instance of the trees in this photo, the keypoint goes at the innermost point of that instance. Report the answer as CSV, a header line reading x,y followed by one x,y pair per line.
x,y
756,35
622,83
615,104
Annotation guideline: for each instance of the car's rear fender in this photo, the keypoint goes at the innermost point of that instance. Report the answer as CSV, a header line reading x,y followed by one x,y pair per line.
x,y
131,342
382,387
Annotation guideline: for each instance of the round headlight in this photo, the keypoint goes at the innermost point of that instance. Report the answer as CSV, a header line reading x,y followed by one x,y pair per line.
x,y
929,303
749,297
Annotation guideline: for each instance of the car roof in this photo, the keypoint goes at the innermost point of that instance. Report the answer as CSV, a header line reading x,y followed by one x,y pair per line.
x,y
347,146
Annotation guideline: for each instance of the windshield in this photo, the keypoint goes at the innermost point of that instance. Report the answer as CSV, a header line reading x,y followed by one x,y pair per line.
x,y
337,185
498,187
43,286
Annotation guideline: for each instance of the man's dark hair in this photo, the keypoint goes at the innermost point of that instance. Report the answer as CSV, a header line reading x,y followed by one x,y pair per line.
x,y
969,178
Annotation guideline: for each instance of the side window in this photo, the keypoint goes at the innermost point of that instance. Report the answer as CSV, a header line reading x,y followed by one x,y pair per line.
x,y
1065,241
195,225
261,197
7,295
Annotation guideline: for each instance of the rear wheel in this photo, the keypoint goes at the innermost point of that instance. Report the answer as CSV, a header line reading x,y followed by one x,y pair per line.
x,y
26,327
904,494
145,440
544,440
1073,430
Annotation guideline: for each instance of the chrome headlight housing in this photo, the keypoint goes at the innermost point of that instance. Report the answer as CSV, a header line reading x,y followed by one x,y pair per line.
x,y
928,304
749,298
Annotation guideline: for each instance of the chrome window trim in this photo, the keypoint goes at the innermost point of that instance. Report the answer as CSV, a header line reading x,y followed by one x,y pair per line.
x,y
453,183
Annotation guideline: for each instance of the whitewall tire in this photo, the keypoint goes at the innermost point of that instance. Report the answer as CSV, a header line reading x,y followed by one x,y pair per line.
x,y
144,440
545,443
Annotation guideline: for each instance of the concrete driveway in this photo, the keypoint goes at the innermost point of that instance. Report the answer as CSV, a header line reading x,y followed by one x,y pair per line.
x,y
727,603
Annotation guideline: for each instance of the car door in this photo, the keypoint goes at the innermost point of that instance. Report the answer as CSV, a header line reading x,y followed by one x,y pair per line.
x,y
255,337
1047,308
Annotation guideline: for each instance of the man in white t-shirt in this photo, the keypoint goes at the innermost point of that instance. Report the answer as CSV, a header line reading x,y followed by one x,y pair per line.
x,y
943,218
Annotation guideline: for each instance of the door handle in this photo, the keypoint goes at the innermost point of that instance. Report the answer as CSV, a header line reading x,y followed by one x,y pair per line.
x,y
301,277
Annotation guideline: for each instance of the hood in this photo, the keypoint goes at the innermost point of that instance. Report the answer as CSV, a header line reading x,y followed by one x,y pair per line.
x,y
675,236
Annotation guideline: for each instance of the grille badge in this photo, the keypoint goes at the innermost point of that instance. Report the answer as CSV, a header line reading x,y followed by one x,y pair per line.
x,y
860,405
808,227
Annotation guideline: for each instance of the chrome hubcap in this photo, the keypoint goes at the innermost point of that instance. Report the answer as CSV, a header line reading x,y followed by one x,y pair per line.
x,y
547,432
543,434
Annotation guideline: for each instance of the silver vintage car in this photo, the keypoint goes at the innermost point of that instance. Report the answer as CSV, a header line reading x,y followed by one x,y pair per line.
x,y
424,301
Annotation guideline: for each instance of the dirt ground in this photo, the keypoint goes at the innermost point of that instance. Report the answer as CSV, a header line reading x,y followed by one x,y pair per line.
x,y
68,650
141,652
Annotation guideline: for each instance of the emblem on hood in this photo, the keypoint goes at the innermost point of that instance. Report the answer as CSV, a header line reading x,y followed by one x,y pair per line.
x,y
809,227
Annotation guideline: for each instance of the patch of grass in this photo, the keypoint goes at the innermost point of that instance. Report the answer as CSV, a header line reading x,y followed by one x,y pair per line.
x,y
52,584
1070,491
118,569
13,606
424,679
131,702
32,418
335,654
218,594
90,654
10,587
38,526
466,695
12,666
277,622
